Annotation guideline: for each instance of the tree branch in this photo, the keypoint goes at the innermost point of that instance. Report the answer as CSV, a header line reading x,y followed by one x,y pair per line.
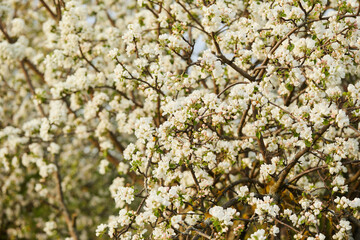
x,y
68,219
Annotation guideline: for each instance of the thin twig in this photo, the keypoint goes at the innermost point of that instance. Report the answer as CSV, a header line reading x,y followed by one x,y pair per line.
x,y
87,60
230,86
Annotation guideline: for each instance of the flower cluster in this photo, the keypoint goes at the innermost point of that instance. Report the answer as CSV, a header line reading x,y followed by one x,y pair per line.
x,y
174,119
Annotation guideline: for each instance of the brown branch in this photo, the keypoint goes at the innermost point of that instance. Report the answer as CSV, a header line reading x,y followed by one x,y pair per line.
x,y
138,79
35,69
278,184
199,232
116,143
236,68
53,15
244,180
305,172
7,36
242,121
58,10
158,109
276,46
353,178
125,229
121,94
192,17
87,60
194,177
286,225
32,90
224,59
114,161
260,140
70,222
148,84
152,11
112,22
230,86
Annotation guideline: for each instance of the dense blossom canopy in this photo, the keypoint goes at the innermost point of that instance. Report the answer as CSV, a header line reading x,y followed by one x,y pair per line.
x,y
179,119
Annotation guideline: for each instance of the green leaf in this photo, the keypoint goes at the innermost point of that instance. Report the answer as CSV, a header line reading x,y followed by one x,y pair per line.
x,y
328,159
291,47
258,134
289,87
282,14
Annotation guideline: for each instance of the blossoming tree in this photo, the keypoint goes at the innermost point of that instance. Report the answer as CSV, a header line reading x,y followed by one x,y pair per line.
x,y
179,119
